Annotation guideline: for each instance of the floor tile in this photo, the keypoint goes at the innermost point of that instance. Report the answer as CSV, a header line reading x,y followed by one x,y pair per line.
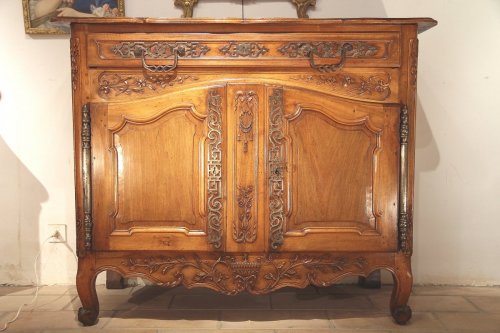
x,y
194,330
372,320
477,322
486,303
16,291
107,302
42,303
276,319
243,301
428,303
40,320
55,290
455,290
101,290
101,330
354,289
164,319
320,301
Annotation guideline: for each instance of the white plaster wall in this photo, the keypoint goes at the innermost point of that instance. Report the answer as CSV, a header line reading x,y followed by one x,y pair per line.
x,y
458,142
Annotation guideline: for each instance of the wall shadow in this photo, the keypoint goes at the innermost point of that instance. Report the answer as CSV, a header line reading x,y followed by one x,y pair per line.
x,y
21,196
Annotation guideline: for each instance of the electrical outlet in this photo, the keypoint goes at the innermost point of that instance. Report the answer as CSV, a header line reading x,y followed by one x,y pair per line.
x,y
59,230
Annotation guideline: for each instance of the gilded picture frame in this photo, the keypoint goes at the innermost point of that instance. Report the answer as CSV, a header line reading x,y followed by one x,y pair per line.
x,y
38,14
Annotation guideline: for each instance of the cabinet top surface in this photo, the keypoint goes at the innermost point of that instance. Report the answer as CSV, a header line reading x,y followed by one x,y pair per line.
x,y
261,25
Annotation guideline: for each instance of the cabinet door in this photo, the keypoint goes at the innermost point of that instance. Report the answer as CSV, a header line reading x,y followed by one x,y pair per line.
x,y
333,173
157,172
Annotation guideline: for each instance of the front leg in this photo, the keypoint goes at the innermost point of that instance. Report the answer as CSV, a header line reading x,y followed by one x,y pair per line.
x,y
85,285
403,282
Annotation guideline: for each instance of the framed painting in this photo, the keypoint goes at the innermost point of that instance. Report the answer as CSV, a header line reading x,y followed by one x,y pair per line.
x,y
38,14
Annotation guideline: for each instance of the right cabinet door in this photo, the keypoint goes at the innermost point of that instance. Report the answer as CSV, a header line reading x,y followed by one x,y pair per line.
x,y
332,168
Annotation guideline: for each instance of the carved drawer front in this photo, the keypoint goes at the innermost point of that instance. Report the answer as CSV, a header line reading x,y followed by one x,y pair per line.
x,y
331,167
247,50
158,173
363,84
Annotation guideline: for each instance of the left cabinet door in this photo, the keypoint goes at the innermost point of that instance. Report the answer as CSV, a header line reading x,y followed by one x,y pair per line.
x,y
157,172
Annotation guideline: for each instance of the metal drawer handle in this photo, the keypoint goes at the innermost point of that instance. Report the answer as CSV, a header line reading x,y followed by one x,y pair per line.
x,y
162,68
331,67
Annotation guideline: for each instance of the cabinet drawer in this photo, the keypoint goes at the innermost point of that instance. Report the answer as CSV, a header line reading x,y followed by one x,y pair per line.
x,y
245,50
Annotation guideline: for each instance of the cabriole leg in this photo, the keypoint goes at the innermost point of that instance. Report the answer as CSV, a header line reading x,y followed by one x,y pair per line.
x,y
85,285
403,282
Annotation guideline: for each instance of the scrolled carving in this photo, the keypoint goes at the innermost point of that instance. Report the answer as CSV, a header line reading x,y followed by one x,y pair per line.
x,y
215,169
241,49
276,166
245,230
75,59
159,50
376,87
246,104
128,84
322,49
232,275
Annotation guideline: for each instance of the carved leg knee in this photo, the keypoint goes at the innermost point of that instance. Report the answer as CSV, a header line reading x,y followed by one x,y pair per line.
x,y
403,281
85,284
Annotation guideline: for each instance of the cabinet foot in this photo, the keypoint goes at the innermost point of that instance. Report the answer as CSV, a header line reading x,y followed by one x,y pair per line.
x,y
85,285
88,317
401,314
403,281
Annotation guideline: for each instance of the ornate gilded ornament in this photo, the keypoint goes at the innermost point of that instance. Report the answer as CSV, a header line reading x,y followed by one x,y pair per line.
x,y
246,104
187,7
404,219
276,167
158,50
215,169
376,87
86,176
239,49
75,59
128,84
245,230
232,275
324,49
303,6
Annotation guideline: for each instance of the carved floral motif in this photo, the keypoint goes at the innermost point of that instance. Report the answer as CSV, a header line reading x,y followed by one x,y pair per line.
x,y
232,275
240,49
246,104
413,61
159,50
374,86
245,230
128,84
215,169
323,49
75,58
277,165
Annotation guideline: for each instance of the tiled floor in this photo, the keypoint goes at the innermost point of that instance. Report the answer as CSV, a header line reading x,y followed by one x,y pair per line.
x,y
340,309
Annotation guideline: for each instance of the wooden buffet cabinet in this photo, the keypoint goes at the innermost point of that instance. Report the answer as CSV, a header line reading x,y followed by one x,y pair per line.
x,y
244,156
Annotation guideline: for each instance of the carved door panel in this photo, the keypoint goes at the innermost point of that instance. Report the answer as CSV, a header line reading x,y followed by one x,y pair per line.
x,y
245,184
331,166
157,175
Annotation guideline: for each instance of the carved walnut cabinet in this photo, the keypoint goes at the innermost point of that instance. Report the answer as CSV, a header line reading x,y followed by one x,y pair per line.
x,y
244,156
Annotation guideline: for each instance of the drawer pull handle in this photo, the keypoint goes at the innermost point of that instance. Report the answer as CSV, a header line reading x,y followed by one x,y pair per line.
x,y
162,68
331,67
